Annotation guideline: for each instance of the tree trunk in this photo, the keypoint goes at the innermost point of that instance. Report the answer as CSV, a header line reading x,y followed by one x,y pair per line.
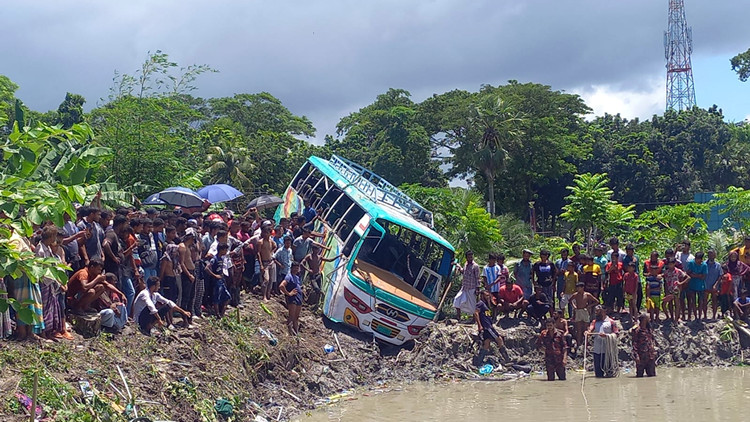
x,y
491,193
88,325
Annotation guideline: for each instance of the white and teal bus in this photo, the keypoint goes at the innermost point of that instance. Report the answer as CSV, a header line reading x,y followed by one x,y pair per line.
x,y
393,266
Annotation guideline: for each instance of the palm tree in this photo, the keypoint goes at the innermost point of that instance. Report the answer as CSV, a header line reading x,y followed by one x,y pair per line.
x,y
229,164
493,128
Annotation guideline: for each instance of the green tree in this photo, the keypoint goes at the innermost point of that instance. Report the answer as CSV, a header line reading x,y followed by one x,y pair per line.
x,y
460,217
150,122
7,103
741,65
387,138
549,146
735,203
591,208
227,159
70,110
492,130
31,192
668,225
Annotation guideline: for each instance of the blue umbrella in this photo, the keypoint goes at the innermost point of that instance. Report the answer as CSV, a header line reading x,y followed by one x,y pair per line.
x,y
219,193
179,196
153,200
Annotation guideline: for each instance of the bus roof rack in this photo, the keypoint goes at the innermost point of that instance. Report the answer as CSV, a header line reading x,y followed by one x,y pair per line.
x,y
379,190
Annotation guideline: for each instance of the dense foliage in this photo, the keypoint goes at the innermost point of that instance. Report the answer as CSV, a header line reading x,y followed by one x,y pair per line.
x,y
517,146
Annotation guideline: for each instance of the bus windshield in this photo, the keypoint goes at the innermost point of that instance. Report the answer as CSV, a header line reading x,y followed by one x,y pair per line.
x,y
415,259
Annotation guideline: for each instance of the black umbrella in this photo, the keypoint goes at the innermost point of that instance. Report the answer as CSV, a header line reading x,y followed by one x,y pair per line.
x,y
153,200
265,201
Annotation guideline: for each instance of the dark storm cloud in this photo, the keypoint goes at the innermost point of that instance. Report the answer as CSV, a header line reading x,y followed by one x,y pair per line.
x,y
327,58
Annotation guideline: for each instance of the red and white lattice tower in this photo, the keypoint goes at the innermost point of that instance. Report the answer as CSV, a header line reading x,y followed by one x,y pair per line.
x,y
678,45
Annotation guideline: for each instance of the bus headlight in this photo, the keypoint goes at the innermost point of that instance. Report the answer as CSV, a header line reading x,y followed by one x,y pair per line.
x,y
356,302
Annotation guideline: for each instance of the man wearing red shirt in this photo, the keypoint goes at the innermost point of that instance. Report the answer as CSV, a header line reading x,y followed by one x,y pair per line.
x,y
510,298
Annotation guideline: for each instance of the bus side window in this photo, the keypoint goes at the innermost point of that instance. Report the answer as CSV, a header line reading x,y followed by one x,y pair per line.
x,y
350,219
301,176
349,247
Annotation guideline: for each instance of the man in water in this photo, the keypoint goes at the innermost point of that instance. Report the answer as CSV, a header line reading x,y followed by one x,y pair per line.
x,y
583,302
644,347
555,353
600,328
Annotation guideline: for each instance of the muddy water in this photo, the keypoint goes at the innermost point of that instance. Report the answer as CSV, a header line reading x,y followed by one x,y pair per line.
x,y
674,395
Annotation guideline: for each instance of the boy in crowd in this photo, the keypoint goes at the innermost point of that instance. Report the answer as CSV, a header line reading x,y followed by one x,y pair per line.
x,y
673,279
283,259
491,275
539,305
654,287
713,278
591,276
151,309
742,306
725,293
615,294
522,272
292,290
215,270
630,279
302,245
112,309
569,288
561,267
266,247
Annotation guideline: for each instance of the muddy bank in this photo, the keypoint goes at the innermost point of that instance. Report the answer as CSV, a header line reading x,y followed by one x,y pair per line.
x,y
180,374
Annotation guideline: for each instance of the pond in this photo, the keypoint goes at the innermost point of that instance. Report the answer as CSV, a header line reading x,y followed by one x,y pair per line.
x,y
675,394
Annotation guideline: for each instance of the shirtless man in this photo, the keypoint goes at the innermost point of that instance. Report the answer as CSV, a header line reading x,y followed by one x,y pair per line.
x,y
583,303
188,269
265,247
562,324
312,263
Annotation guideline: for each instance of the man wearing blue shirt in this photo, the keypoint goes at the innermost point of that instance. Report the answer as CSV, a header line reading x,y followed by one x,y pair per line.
x,y
697,270
309,212
712,278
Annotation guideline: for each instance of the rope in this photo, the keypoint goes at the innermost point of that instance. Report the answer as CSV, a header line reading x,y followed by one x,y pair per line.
x,y
583,374
611,364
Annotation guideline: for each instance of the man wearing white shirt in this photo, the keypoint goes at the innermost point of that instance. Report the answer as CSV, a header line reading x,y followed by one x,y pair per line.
x,y
684,256
152,309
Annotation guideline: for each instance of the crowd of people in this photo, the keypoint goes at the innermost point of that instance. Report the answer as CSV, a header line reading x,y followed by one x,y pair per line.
x,y
594,290
148,267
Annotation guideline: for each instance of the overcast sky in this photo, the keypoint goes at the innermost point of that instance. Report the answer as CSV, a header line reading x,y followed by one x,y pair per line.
x,y
325,59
